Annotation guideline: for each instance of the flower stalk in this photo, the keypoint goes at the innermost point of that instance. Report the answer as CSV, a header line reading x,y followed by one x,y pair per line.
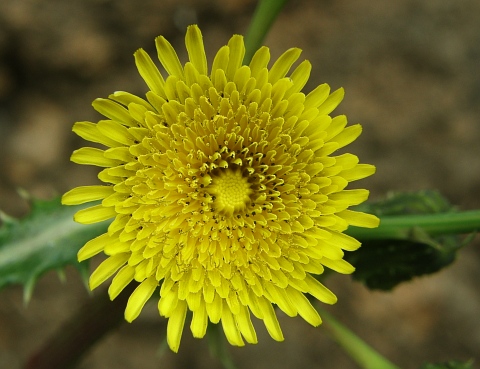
x,y
360,352
263,18
218,347
401,227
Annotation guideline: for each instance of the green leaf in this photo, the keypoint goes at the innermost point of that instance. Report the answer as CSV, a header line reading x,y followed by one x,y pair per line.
x,y
384,263
449,365
46,239
409,203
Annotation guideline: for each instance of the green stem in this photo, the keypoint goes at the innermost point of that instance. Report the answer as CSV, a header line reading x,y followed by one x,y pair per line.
x,y
400,227
363,354
263,18
218,346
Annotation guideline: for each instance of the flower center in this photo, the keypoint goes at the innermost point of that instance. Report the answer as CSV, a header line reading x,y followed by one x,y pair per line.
x,y
231,191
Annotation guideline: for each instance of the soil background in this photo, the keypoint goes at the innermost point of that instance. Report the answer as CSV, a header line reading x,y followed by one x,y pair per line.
x,y
411,71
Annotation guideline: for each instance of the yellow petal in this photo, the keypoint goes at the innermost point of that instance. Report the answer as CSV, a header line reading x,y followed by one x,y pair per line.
x,y
157,101
317,126
195,49
299,77
352,197
208,293
245,325
149,72
214,309
92,156
114,111
83,194
242,76
343,241
340,266
220,61
126,98
93,247
270,319
106,269
278,91
337,126
168,57
171,88
317,97
327,149
199,323
220,80
120,281
232,302
279,297
116,132
359,219
346,161
313,267
304,307
237,52
261,80
121,154
94,214
169,300
118,224
191,76
89,132
331,102
360,171
175,326
260,60
183,91
230,327
283,64
348,135
319,291
306,221
253,304
332,251
139,298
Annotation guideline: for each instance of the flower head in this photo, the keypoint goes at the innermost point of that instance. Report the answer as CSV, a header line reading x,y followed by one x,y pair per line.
x,y
224,190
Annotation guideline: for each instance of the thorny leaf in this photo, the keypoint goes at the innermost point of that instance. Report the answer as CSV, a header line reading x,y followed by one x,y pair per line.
x,y
46,239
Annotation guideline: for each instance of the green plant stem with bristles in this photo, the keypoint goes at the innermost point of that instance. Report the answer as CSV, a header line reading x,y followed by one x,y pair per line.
x,y
360,352
263,18
401,227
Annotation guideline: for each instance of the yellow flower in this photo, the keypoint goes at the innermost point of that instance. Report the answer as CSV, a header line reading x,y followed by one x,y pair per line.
x,y
223,190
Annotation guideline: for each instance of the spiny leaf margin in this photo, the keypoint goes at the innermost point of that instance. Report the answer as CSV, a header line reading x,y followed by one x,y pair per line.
x,y
46,239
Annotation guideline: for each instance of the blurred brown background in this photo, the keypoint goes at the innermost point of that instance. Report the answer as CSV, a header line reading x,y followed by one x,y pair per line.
x,y
411,73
